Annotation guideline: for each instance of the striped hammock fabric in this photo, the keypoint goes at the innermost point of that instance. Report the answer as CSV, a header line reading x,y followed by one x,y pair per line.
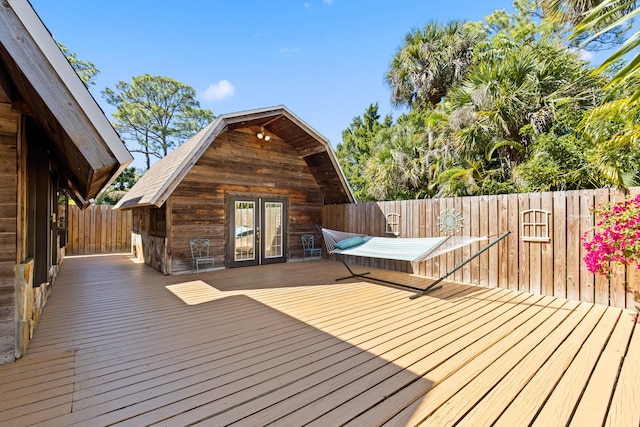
x,y
404,249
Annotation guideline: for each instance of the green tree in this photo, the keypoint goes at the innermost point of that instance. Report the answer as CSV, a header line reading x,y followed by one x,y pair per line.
x,y
85,69
631,71
523,80
155,114
356,148
600,18
514,120
557,163
465,178
396,169
614,129
573,12
120,186
430,61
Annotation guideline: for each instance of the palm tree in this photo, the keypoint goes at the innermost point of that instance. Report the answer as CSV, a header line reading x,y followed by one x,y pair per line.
x,y
429,63
615,129
573,12
397,168
597,19
493,105
504,103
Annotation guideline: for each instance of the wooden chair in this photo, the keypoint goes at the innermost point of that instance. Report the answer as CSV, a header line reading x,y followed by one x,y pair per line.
x,y
308,244
200,254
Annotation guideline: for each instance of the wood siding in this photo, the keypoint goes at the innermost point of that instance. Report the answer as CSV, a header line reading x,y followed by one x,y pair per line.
x,y
551,268
98,230
237,162
8,228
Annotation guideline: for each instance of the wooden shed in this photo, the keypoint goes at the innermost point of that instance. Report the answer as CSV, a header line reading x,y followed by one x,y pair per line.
x,y
251,182
55,143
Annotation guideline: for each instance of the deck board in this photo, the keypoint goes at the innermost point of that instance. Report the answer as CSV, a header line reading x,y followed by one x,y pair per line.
x,y
556,352
120,344
594,404
564,376
627,390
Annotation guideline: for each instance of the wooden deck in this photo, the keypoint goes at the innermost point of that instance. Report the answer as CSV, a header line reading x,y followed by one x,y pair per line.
x,y
285,344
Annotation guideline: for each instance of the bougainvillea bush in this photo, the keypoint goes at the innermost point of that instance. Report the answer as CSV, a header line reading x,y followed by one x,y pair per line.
x,y
616,240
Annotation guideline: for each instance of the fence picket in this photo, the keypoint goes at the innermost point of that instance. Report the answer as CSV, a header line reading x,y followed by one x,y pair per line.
x,y
618,280
633,273
100,214
466,231
573,245
550,268
513,241
546,275
560,244
474,265
553,268
587,290
601,282
535,252
524,283
494,230
98,230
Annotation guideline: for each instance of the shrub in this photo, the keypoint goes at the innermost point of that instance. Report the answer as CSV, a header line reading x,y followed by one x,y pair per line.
x,y
616,239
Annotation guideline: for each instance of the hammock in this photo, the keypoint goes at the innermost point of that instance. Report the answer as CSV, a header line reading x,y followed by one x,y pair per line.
x,y
404,249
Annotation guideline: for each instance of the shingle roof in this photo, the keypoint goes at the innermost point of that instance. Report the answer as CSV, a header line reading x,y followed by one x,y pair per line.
x,y
156,180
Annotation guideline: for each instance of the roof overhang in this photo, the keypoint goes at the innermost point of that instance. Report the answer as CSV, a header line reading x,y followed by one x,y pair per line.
x,y
41,83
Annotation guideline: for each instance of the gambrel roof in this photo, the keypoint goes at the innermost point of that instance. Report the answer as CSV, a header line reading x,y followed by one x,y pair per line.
x,y
157,184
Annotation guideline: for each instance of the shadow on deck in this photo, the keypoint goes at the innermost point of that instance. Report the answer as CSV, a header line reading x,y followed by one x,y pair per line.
x,y
285,344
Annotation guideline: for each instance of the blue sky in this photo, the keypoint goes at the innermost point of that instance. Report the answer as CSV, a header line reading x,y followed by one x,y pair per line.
x,y
324,59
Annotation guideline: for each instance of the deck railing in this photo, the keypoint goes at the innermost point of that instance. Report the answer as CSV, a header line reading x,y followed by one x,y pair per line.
x,y
98,229
536,258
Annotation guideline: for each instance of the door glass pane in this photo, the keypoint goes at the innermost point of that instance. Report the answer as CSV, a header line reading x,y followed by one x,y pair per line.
x,y
245,227
273,229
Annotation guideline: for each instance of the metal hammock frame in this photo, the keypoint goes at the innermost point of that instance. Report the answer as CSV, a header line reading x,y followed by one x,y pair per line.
x,y
433,246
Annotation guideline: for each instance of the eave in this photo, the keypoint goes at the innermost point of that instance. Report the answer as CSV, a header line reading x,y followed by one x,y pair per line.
x,y
42,84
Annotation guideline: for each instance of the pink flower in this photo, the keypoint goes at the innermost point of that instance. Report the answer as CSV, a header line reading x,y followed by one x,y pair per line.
x,y
616,239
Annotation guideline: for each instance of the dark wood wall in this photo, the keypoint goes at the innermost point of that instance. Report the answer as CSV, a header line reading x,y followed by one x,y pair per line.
x,y
8,227
238,162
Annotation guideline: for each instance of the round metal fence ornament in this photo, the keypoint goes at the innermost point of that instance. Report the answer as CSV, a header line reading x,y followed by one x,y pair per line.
x,y
450,221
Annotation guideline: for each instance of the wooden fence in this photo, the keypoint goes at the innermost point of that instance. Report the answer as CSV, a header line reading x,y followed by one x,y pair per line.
x,y
552,266
98,229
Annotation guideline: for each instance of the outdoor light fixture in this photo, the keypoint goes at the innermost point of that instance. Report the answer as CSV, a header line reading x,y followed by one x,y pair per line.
x,y
263,135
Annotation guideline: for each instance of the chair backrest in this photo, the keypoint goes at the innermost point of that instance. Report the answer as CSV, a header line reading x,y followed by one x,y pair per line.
x,y
199,247
308,241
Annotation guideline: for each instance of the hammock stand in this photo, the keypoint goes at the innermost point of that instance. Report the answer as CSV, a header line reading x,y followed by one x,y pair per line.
x,y
434,250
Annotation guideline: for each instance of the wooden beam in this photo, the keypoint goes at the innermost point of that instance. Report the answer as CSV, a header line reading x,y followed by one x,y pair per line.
x,y
312,150
9,93
7,89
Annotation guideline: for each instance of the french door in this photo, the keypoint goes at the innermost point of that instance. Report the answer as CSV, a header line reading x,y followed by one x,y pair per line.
x,y
257,230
